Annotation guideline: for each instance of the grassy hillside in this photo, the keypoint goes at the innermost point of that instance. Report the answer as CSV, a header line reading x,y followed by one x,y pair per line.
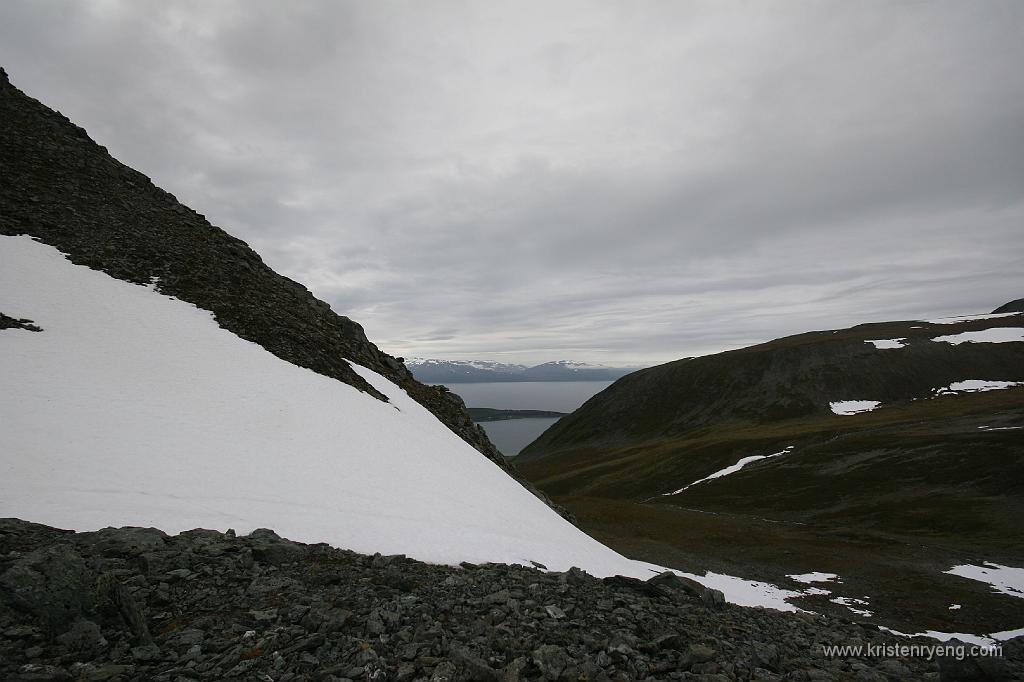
x,y
924,481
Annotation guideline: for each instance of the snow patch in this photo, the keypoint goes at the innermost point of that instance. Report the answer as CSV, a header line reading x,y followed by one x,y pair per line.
x,y
980,640
1007,635
815,577
993,335
883,344
847,407
1004,579
747,592
976,386
966,318
731,469
988,640
854,604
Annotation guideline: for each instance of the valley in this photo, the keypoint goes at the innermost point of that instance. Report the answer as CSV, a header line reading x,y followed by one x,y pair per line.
x,y
741,462
249,453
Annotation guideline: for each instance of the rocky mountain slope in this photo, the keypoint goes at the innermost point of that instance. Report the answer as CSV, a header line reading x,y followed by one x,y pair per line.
x,y
472,371
137,604
65,190
884,453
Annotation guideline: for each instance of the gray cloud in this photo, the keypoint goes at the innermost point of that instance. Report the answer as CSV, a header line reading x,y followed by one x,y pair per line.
x,y
598,181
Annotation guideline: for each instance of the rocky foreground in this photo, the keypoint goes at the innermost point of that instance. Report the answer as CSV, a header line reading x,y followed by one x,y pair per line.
x,y
137,604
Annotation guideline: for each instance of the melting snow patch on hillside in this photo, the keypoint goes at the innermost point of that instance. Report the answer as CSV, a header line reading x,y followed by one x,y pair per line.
x,y
883,344
815,577
847,407
1005,579
854,604
731,469
993,335
739,590
968,318
988,640
976,386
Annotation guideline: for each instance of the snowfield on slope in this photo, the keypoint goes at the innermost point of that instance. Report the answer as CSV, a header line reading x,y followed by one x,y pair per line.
x,y
976,386
848,407
993,335
885,344
731,469
1004,579
957,319
135,408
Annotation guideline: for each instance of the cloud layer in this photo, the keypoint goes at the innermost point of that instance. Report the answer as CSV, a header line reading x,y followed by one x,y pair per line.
x,y
606,182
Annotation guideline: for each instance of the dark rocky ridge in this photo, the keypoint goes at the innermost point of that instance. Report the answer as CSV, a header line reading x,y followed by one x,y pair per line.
x,y
8,322
135,604
1016,306
791,378
63,189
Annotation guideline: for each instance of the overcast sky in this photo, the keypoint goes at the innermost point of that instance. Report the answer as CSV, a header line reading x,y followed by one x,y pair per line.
x,y
616,182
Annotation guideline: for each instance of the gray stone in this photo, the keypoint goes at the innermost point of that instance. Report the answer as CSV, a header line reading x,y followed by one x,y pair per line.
x,y
551,660
83,636
444,672
145,653
54,584
554,611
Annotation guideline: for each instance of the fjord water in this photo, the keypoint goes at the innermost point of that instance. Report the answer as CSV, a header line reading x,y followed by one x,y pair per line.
x,y
512,435
557,396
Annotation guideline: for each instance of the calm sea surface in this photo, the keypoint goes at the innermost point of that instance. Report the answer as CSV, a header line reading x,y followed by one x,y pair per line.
x,y
558,396
512,435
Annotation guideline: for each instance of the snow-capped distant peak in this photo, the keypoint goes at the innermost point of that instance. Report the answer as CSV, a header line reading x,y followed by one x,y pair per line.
x,y
485,365
468,371
570,364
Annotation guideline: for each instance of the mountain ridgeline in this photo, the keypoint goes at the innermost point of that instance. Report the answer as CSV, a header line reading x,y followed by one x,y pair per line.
x,y
463,371
794,378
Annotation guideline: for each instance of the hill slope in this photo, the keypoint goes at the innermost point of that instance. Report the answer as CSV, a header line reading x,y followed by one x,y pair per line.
x,y
157,372
758,456
62,188
133,408
65,190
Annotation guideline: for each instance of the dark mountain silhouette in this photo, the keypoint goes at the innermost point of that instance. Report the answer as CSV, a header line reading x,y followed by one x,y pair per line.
x,y
1016,306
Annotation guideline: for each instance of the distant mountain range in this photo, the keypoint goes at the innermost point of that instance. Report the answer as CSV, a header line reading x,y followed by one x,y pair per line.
x,y
477,371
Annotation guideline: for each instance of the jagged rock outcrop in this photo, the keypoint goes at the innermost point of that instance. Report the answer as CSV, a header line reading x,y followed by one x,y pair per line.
x,y
63,189
213,606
